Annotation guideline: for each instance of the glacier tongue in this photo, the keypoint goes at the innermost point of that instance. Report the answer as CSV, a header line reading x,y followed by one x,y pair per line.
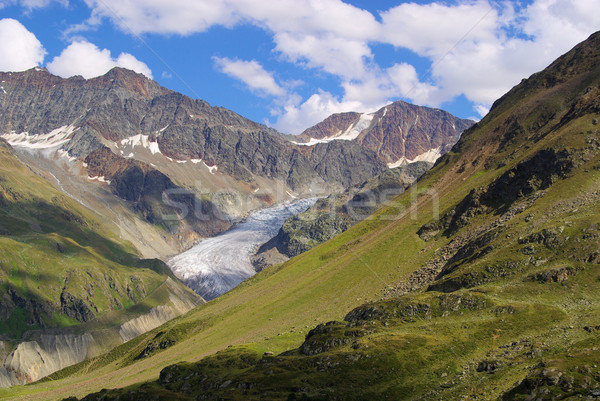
x,y
218,264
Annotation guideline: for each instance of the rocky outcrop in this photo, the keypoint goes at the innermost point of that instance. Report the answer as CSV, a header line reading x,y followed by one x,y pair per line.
x,y
179,303
525,179
555,381
75,308
36,310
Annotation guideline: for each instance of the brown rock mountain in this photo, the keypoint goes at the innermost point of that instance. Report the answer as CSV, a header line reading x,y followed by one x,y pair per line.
x,y
123,104
397,133
331,126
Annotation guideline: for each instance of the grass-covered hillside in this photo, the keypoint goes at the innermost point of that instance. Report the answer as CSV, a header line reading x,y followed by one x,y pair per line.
x,y
58,265
61,268
482,282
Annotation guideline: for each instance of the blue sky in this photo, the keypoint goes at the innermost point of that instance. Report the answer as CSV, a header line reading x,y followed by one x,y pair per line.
x,y
291,63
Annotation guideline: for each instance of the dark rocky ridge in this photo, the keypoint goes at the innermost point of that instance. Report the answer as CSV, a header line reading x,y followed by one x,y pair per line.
x,y
122,103
143,187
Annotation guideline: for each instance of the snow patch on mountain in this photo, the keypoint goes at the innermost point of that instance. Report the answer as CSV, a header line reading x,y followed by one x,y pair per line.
x,y
430,156
101,179
153,146
211,169
143,141
351,133
54,138
64,154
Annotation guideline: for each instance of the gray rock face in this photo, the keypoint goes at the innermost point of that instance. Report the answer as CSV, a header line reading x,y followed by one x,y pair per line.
x,y
32,360
122,104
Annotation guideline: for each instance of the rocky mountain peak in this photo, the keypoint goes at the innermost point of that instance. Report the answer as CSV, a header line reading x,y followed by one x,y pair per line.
x,y
399,132
129,80
331,126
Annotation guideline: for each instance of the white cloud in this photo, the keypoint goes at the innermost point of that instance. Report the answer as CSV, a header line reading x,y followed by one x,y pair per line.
x,y
333,54
477,48
86,59
252,74
295,118
182,17
481,109
19,48
326,34
191,16
406,84
433,29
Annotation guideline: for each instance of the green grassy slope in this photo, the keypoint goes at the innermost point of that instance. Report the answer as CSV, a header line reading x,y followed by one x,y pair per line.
x,y
59,266
499,297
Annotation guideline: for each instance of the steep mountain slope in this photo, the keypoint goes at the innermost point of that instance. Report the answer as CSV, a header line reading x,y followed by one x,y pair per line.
x,y
399,133
66,127
496,298
69,289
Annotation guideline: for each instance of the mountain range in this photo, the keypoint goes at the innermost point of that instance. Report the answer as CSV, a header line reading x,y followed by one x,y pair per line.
x,y
478,282
124,134
148,172
481,283
400,133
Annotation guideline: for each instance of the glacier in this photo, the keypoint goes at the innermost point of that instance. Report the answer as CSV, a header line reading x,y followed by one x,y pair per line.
x,y
217,264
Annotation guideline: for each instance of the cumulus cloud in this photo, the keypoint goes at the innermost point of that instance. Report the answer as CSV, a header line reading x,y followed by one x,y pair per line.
x,y
182,17
295,116
333,54
190,16
477,48
86,59
481,50
252,74
19,48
